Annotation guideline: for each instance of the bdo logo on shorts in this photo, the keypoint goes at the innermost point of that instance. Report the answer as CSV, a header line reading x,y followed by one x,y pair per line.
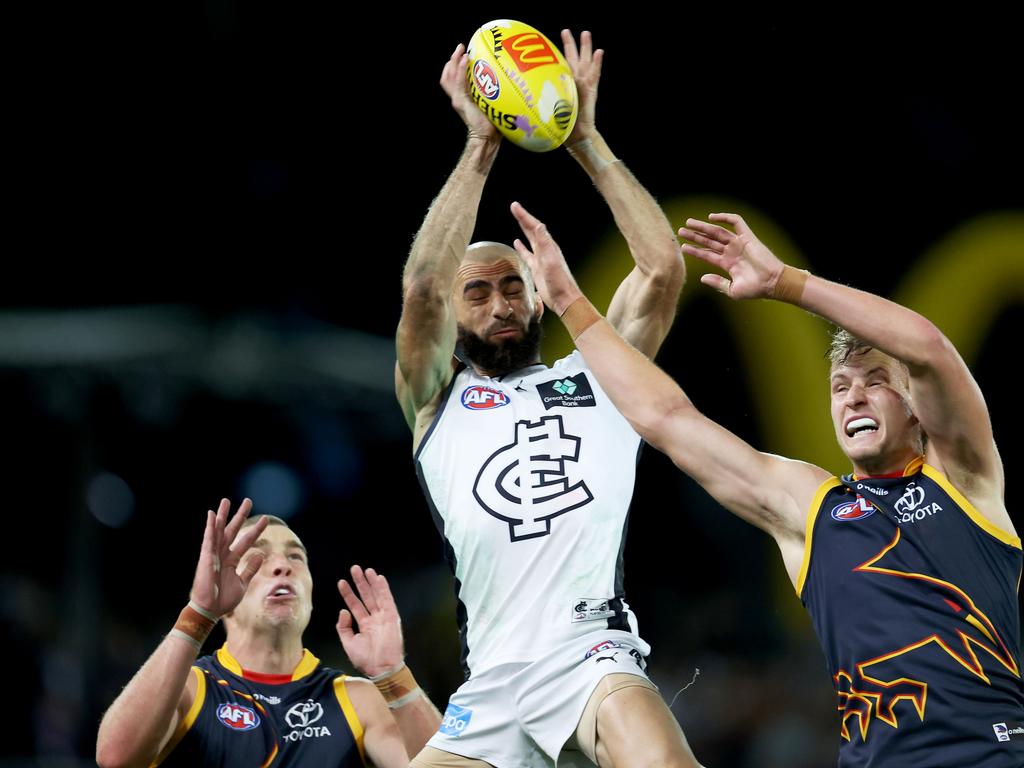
x,y
455,720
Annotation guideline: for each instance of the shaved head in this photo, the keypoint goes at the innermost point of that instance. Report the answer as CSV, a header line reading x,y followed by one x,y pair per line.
x,y
497,309
483,256
485,251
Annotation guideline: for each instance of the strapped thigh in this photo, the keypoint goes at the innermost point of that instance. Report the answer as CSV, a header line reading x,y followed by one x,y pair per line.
x,y
585,738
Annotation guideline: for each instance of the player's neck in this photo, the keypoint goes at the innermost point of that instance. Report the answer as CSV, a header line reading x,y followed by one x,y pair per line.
x,y
892,465
271,653
498,374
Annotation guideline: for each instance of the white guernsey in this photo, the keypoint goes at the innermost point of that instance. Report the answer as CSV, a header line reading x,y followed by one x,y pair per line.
x,y
529,476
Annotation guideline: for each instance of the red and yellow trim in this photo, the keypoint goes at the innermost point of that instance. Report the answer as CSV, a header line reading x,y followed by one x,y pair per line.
x,y
911,468
190,717
226,660
307,664
341,692
969,509
812,515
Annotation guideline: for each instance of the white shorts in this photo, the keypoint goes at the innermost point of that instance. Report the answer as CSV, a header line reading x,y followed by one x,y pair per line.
x,y
521,715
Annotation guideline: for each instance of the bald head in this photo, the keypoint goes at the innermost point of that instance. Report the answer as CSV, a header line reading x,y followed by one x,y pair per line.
x,y
487,256
485,251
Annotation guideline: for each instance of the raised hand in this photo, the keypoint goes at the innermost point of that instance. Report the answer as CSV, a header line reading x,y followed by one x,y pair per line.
x,y
753,269
551,274
217,587
585,63
456,85
377,647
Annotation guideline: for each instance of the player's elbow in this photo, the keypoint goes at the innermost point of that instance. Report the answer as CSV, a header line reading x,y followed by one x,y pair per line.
x,y
668,274
110,754
662,424
931,349
423,289
113,750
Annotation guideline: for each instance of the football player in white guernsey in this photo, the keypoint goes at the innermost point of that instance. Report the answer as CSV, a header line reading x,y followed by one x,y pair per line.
x,y
529,470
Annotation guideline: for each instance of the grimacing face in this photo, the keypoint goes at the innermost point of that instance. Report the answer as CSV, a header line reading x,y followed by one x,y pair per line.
x,y
871,413
493,300
281,592
494,305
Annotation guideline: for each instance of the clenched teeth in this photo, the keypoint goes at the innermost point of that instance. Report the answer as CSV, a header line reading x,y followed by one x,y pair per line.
x,y
864,424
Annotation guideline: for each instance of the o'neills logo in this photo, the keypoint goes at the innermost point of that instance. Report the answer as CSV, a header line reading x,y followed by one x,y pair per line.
x,y
570,392
1006,731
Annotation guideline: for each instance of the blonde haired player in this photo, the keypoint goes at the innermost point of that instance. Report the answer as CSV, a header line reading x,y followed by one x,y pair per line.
x,y
909,566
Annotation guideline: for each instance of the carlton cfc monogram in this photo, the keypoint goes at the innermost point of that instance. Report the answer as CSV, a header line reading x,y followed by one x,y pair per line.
x,y
527,483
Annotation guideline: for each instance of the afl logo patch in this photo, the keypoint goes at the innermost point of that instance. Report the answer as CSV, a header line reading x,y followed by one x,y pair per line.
x,y
237,717
853,510
478,398
486,81
607,645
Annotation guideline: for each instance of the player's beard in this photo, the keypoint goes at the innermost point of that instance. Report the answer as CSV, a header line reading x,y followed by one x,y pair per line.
x,y
505,356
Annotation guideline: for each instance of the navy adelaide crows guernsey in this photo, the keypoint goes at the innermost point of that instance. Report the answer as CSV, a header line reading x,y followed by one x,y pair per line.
x,y
237,721
913,595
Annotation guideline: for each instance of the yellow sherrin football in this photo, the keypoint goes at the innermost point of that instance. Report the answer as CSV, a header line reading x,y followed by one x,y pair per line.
x,y
521,81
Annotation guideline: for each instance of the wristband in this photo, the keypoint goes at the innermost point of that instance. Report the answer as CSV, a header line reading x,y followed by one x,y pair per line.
x,y
579,316
790,285
194,624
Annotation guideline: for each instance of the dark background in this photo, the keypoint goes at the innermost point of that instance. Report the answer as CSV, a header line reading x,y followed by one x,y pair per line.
x,y
208,213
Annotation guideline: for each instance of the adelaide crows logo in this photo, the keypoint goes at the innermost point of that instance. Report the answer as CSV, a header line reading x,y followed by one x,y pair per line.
x,y
864,694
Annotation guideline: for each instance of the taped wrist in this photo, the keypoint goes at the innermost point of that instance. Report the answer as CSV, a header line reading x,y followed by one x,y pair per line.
x,y
194,624
397,686
790,285
579,316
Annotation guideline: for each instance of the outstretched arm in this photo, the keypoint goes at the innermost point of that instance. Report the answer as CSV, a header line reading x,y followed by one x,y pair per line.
x,y
644,305
377,650
146,714
945,397
426,332
768,491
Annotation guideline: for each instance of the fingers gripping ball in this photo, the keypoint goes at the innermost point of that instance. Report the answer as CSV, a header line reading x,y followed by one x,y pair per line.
x,y
521,81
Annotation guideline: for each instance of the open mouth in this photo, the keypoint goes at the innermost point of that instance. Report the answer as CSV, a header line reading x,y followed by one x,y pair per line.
x,y
862,426
281,592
